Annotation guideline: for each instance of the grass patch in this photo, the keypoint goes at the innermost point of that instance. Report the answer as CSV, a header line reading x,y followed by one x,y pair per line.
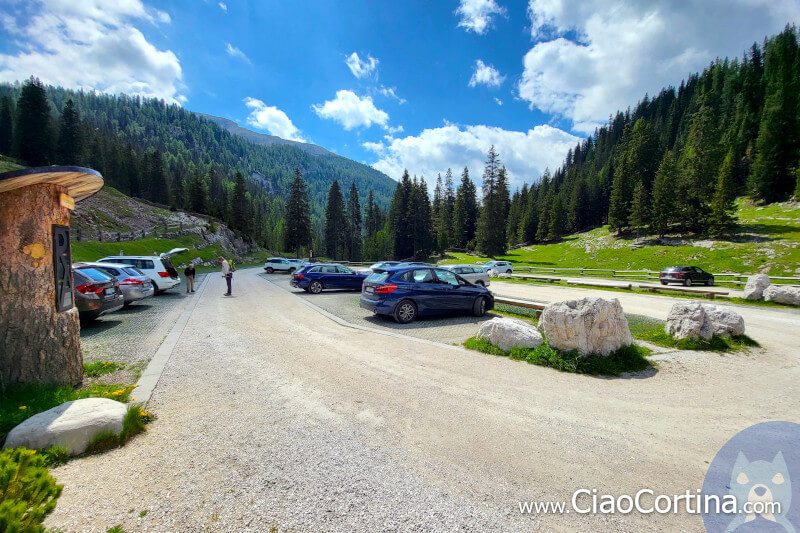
x,y
627,359
652,330
517,312
136,418
101,367
20,403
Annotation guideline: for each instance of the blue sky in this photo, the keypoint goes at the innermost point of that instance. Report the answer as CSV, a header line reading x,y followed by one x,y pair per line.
x,y
423,85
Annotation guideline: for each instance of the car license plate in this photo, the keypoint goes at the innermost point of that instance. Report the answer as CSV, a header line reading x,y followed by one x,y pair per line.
x,y
111,291
369,290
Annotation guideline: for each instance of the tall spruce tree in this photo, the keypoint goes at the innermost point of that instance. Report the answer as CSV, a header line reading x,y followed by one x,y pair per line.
x,y
157,178
723,206
335,223
354,238
240,212
465,212
491,233
32,134
298,216
419,215
640,208
69,136
373,219
664,194
198,193
398,220
6,126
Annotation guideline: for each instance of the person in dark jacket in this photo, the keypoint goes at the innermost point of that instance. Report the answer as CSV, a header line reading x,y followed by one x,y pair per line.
x,y
188,272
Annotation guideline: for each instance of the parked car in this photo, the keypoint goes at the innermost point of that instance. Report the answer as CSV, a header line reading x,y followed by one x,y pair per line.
x,y
96,293
686,275
413,263
135,284
473,274
406,293
282,264
158,268
383,264
503,267
316,278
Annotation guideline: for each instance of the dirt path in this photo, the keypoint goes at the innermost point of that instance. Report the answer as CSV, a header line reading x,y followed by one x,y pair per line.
x,y
273,415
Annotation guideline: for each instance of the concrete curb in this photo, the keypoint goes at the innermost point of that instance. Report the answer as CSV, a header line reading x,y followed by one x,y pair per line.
x,y
149,378
345,323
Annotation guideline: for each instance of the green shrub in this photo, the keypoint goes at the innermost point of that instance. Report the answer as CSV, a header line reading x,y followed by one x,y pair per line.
x,y
28,493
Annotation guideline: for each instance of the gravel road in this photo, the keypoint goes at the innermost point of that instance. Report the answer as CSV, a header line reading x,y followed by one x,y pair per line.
x,y
272,415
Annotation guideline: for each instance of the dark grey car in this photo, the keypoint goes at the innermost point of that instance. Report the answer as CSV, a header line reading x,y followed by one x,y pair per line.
x,y
96,293
685,275
135,284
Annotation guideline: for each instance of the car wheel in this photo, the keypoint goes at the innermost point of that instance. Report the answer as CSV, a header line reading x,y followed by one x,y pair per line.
x,y
509,271
270,270
710,282
479,307
291,270
405,312
688,282
663,282
315,287
156,290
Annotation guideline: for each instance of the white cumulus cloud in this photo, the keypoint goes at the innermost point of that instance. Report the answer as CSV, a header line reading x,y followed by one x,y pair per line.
x,y
235,52
223,6
352,111
90,45
525,154
484,74
272,119
361,68
478,15
624,49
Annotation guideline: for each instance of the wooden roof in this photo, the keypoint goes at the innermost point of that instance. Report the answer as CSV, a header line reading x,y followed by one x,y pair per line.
x,y
80,182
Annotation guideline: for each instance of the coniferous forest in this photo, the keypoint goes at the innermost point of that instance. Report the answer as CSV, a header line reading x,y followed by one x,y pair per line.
x,y
675,162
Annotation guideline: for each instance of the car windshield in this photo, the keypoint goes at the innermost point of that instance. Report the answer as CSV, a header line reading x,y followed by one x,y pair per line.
x,y
445,276
133,271
378,277
95,274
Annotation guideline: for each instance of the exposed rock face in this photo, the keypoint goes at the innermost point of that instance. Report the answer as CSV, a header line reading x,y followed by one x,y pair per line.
x,y
37,344
724,322
754,289
689,320
782,294
71,424
589,325
507,333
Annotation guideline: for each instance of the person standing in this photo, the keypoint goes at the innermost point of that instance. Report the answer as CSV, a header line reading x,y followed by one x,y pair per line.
x,y
189,273
226,273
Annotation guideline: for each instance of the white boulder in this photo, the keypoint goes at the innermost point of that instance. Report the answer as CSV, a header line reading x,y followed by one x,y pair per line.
x,y
782,294
754,288
507,333
724,322
689,320
589,325
492,272
72,425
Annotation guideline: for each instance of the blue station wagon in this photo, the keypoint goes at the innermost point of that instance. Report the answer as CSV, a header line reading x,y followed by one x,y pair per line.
x,y
408,292
316,278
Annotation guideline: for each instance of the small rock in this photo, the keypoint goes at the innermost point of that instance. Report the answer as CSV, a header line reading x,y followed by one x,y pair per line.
x,y
782,294
492,272
506,333
72,424
724,322
689,320
754,289
589,325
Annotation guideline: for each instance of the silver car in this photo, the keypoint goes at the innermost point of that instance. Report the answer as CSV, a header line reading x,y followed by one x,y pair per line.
x,y
135,284
472,273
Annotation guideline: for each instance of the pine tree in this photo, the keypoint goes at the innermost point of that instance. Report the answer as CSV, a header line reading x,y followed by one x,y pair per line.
x,y
797,185
6,126
32,134
354,239
664,194
640,209
723,206
398,220
178,189
557,220
436,209
69,136
701,159
157,178
373,220
335,223
619,204
240,216
198,193
492,221
419,216
298,216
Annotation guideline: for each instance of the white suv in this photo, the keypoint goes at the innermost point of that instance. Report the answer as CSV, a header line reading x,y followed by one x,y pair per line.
x,y
281,264
157,267
503,267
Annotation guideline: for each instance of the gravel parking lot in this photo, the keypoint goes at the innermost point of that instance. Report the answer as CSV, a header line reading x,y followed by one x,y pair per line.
x,y
133,334
450,329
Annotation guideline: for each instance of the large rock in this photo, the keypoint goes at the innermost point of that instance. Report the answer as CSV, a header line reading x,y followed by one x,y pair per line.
x,y
589,325
506,333
782,294
72,424
724,322
689,320
754,288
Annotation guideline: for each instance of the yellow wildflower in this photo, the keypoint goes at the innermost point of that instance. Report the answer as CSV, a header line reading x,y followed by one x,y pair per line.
x,y
23,407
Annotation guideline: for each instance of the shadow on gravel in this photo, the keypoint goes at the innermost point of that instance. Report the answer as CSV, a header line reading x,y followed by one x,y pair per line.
x,y
102,324
427,321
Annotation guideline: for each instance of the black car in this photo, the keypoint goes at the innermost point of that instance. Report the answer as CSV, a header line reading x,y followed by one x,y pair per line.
x,y
685,275
96,293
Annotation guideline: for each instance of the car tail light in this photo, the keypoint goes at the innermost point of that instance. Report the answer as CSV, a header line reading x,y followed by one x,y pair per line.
x,y
89,289
164,274
363,284
679,274
298,276
385,289
130,281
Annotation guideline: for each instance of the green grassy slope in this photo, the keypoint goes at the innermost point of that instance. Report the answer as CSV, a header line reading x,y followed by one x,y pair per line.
x,y
768,241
